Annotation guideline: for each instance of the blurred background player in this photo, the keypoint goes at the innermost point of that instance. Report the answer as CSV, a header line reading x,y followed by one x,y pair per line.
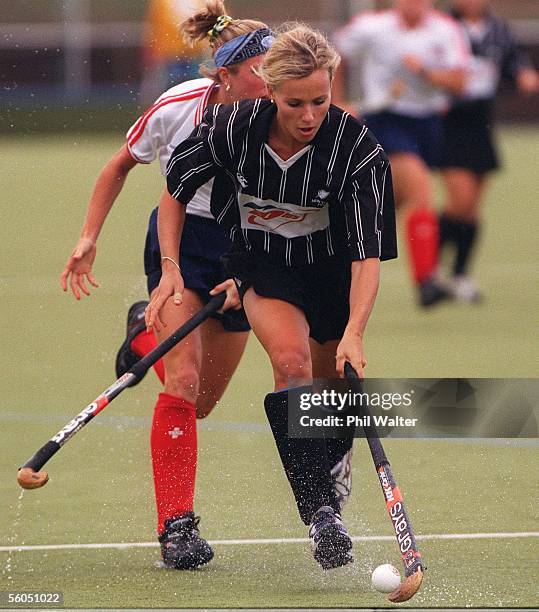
x,y
305,191
411,58
168,59
198,370
469,152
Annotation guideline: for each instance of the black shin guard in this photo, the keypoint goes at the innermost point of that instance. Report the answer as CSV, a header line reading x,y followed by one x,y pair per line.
x,y
336,449
304,460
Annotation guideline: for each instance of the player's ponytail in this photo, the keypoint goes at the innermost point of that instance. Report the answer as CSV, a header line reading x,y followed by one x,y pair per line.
x,y
213,24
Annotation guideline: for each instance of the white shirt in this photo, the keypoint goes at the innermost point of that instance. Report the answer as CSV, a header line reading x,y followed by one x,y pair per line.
x,y
169,121
483,75
378,42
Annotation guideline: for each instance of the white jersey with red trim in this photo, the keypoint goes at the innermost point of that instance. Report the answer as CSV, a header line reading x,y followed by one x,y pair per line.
x,y
169,121
378,42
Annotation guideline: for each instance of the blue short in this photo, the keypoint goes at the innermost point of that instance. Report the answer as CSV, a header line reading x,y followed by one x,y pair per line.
x,y
421,136
203,244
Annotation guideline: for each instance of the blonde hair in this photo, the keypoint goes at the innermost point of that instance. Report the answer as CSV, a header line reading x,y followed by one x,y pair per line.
x,y
296,53
199,26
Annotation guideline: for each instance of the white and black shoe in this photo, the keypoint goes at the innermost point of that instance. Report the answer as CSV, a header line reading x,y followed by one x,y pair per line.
x,y
341,473
126,358
181,545
330,541
464,289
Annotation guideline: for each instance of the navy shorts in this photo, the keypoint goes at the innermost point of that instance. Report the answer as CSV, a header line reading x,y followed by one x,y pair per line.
x,y
421,136
320,290
203,244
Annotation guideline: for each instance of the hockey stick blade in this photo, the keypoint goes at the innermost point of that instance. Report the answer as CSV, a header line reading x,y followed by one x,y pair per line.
x,y
30,475
411,557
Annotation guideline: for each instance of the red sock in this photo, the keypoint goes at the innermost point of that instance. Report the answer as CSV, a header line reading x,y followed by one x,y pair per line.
x,y
174,456
422,236
142,344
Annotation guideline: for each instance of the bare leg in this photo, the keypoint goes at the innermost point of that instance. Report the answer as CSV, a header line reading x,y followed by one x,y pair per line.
x,y
465,190
283,331
184,361
221,354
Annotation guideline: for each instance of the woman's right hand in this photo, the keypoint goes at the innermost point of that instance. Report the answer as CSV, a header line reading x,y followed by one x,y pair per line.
x,y
79,268
170,286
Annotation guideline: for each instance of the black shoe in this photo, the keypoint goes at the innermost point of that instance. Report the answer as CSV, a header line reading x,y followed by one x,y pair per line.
x,y
330,541
126,359
181,545
431,292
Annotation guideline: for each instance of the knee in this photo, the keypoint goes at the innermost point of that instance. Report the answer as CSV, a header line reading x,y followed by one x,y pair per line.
x,y
291,364
182,382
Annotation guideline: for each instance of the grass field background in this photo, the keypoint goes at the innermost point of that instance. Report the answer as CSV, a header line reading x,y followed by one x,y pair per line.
x,y
58,356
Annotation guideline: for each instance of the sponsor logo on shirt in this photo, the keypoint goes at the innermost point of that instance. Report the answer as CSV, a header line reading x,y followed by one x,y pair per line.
x,y
287,220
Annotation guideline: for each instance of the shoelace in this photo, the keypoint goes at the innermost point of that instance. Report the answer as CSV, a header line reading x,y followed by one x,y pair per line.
x,y
188,527
325,519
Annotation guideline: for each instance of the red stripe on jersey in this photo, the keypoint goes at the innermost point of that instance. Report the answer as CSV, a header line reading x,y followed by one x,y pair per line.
x,y
134,157
202,104
141,123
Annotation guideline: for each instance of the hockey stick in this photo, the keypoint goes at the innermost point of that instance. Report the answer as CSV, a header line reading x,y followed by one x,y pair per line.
x,y
413,566
29,476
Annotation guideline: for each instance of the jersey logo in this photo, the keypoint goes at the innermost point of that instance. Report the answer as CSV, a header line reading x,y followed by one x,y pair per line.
x,y
287,220
241,180
320,199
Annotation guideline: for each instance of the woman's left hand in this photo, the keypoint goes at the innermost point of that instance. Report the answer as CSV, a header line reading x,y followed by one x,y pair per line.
x,y
232,301
351,349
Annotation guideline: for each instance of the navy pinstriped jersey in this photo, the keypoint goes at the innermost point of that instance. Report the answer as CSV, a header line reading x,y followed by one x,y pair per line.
x,y
496,56
334,193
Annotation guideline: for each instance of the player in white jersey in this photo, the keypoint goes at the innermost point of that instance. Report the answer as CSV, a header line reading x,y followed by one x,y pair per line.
x,y
198,370
411,59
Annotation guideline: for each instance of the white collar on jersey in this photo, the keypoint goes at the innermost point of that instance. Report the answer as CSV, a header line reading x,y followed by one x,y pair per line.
x,y
285,164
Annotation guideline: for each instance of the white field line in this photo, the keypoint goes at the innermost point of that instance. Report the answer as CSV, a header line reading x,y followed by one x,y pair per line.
x,y
264,541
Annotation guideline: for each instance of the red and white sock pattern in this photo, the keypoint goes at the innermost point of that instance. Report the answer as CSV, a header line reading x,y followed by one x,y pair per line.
x,y
174,456
144,343
423,237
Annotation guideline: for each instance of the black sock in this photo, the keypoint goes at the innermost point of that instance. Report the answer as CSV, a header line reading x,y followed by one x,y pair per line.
x,y
304,460
466,238
448,229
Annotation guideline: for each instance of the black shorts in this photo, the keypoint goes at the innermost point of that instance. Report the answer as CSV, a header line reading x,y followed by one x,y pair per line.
x,y
468,140
320,290
203,243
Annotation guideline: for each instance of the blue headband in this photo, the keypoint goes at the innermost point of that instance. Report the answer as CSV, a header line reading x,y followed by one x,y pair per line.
x,y
243,47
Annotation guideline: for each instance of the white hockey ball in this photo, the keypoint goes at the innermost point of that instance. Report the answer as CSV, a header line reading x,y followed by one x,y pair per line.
x,y
385,578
